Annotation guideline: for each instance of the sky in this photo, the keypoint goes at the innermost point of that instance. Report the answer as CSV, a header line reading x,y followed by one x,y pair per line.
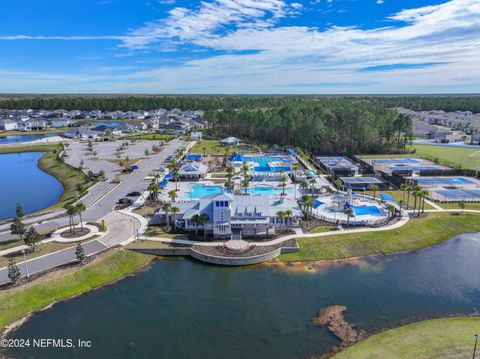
x,y
240,46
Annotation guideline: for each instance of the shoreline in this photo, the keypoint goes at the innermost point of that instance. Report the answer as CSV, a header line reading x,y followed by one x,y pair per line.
x,y
18,322
400,325
51,163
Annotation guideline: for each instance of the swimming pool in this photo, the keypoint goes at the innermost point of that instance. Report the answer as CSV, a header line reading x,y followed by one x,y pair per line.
x,y
268,190
367,211
200,190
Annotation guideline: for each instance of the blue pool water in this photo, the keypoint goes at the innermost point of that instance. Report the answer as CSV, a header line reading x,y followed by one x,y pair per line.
x,y
24,138
22,181
367,210
198,191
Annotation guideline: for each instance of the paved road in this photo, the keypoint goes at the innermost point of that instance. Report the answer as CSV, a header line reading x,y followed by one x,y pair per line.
x,y
53,260
130,182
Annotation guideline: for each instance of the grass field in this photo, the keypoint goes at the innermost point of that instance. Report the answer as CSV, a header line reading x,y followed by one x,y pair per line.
x,y
209,147
438,338
28,133
50,162
150,137
417,233
107,268
465,158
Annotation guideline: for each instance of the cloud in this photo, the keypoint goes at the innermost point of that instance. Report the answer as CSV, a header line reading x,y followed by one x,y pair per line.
x,y
248,49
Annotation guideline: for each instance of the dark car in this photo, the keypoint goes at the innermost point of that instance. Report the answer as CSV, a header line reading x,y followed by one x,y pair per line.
x,y
134,194
125,201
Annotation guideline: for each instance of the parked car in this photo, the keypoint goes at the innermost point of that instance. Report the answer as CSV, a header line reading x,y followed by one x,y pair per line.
x,y
125,201
134,194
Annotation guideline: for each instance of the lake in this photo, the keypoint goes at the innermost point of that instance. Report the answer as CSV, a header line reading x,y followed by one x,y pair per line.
x,y
25,138
22,181
184,309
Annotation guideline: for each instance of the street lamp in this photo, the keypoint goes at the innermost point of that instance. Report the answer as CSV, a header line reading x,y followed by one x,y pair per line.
x,y
26,265
475,347
134,229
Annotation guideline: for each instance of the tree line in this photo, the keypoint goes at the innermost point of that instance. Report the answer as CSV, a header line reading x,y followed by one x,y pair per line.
x,y
215,102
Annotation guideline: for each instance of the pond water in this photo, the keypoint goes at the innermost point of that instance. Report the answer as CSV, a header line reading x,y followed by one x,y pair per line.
x,y
106,123
22,181
183,309
25,138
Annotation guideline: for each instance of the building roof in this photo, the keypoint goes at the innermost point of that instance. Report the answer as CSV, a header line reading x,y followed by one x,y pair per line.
x,y
191,169
230,140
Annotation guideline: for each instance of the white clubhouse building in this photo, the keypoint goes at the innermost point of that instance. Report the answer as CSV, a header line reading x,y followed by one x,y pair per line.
x,y
229,215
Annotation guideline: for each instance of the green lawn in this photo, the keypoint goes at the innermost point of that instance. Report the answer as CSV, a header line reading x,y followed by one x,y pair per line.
x,y
466,158
417,233
438,338
455,205
29,133
107,268
50,162
151,137
209,147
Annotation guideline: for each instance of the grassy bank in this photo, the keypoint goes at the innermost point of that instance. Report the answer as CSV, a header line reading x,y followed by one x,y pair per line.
x,y
51,163
15,303
438,338
29,133
417,233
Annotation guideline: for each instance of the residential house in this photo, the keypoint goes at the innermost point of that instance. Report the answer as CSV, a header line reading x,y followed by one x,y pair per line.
x,y
196,136
59,122
8,125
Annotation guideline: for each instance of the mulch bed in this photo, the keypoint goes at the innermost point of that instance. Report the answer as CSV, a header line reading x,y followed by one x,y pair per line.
x,y
77,233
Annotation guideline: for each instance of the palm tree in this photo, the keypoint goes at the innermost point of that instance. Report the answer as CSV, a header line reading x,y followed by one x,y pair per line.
x,y
245,177
196,221
173,195
391,211
305,198
71,212
304,185
312,184
283,182
175,210
409,190
423,194
80,208
203,221
281,215
288,214
204,151
416,190
175,177
166,208
154,187
349,212
404,188
338,183
309,204
374,188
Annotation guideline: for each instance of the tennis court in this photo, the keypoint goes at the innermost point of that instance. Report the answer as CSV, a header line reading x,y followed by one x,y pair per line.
x,y
396,161
360,180
450,195
444,181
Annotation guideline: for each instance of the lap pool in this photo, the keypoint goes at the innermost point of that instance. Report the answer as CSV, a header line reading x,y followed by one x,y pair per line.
x,y
367,211
199,190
